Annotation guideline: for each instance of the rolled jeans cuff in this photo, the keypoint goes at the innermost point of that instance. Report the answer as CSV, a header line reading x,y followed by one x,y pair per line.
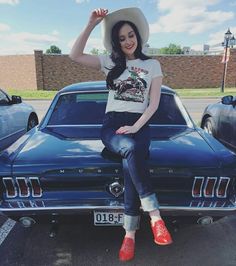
x,y
149,203
131,223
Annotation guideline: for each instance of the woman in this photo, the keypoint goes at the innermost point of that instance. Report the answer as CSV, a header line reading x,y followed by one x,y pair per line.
x,y
134,82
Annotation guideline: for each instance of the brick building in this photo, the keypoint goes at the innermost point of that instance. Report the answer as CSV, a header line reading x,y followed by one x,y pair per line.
x,y
53,72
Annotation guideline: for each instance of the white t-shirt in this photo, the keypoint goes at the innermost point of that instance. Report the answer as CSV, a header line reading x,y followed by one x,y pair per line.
x,y
132,87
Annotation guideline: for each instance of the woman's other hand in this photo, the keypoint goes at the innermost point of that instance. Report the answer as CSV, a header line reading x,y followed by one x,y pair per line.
x,y
97,16
126,130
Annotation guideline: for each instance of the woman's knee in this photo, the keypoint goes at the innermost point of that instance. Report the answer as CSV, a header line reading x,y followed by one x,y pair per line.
x,y
127,147
134,148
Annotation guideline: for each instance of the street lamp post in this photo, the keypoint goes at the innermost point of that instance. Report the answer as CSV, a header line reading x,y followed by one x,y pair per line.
x,y
229,41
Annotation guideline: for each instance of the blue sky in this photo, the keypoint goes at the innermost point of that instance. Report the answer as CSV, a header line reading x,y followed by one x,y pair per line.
x,y
26,25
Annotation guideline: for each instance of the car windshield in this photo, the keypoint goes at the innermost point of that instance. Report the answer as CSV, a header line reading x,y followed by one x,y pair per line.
x,y
89,109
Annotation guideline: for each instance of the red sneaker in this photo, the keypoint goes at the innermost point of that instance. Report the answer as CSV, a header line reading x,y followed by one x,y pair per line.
x,y
161,234
127,249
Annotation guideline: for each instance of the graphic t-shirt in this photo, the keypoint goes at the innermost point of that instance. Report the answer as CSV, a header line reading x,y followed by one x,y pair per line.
x,y
131,89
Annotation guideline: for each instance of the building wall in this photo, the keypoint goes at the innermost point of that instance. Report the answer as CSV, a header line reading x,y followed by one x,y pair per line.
x,y
60,70
49,72
18,72
192,71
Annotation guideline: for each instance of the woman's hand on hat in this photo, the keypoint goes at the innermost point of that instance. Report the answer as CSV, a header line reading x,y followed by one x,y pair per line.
x,y
98,15
127,130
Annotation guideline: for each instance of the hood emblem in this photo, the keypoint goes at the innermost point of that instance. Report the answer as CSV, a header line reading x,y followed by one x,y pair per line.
x,y
116,189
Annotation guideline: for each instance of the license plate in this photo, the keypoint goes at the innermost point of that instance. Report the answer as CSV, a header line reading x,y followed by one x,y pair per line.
x,y
108,218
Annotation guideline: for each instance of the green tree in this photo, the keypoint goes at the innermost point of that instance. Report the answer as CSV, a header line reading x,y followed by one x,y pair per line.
x,y
171,49
96,51
105,52
53,50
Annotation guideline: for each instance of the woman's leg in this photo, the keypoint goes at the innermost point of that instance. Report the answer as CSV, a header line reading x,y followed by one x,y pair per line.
x,y
132,204
150,204
134,148
135,153
131,216
131,197
155,213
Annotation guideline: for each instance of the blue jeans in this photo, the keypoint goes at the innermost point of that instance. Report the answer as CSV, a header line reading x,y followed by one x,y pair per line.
x,y
134,149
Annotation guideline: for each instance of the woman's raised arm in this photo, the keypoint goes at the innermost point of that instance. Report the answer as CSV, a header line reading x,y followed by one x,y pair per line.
x,y
77,52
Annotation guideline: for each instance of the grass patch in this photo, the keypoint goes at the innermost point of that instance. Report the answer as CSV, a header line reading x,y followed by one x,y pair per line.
x,y
32,94
185,92
205,92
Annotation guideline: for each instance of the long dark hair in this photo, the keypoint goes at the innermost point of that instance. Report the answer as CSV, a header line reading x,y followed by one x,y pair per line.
x,y
117,55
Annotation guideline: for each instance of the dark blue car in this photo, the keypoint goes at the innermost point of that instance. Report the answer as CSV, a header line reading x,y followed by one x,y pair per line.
x,y
219,120
61,167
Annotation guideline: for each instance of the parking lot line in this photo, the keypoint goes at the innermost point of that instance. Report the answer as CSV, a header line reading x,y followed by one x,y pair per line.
x,y
6,229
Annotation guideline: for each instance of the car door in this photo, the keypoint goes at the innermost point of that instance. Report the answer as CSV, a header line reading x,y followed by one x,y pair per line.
x,y
227,124
12,120
18,114
5,118
233,118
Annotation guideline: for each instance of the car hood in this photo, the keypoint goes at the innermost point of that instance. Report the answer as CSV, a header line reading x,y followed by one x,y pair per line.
x,y
169,147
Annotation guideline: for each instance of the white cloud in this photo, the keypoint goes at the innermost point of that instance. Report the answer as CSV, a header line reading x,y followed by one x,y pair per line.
x,y
71,43
10,49
4,27
25,42
215,40
81,1
218,37
188,16
32,37
9,2
92,43
197,47
166,5
55,32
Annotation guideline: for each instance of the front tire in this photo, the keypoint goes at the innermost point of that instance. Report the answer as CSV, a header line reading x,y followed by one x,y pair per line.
x,y
208,126
32,122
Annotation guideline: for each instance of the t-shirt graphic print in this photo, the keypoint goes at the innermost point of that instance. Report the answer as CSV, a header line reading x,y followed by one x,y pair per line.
x,y
131,89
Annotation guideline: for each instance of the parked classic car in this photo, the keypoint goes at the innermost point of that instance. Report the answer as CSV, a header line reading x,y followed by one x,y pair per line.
x,y
61,166
219,120
16,117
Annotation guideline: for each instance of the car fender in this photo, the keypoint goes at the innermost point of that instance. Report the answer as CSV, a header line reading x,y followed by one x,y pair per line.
x,y
227,156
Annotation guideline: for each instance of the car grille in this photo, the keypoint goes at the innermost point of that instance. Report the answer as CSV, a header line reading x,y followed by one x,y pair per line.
x,y
209,187
22,187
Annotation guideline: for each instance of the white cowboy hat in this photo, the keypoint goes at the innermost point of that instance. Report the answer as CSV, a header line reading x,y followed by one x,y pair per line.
x,y
132,14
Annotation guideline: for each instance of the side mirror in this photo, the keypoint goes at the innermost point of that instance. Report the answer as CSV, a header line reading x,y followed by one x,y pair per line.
x,y
16,99
229,99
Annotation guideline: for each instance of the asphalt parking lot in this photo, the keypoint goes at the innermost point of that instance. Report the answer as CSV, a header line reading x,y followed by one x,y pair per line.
x,y
80,243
